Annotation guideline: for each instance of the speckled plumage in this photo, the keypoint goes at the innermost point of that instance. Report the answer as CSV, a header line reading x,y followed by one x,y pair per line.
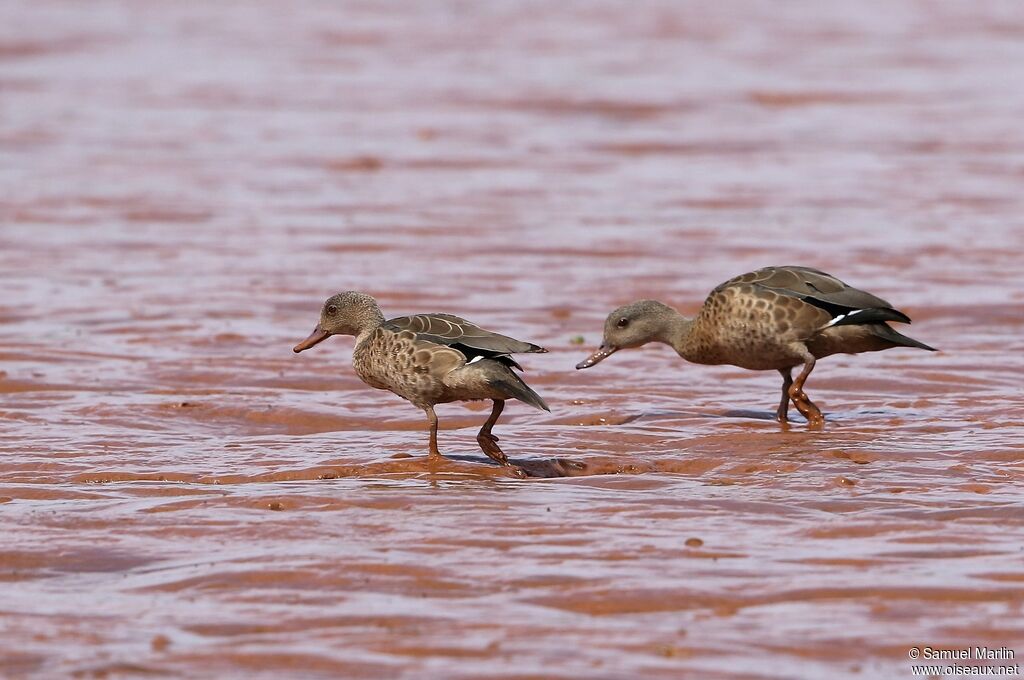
x,y
429,359
773,318
421,371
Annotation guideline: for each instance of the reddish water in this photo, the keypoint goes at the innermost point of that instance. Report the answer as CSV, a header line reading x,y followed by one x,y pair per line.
x,y
183,184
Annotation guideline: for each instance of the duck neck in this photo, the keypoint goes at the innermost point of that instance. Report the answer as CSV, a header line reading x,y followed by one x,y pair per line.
x,y
677,334
373,320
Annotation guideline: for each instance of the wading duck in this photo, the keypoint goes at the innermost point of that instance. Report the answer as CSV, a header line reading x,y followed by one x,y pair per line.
x,y
775,318
429,359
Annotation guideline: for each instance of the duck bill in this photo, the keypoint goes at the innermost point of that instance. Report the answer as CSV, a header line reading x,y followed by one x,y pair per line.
x,y
315,338
602,353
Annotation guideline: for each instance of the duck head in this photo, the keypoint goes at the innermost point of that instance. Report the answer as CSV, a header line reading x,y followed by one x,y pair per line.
x,y
348,313
633,325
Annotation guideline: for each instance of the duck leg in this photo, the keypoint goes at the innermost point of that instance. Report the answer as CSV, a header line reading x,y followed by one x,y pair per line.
x,y
488,442
799,397
787,379
432,417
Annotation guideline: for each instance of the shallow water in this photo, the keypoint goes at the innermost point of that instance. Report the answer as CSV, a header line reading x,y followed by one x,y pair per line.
x,y
183,185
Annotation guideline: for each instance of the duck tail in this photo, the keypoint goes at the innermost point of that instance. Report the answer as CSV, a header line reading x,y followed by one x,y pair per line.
x,y
512,385
886,332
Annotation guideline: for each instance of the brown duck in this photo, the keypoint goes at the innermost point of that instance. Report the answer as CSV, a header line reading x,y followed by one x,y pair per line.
x,y
773,318
429,359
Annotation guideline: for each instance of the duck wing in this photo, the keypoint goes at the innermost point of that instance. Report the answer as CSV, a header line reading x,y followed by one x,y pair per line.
x,y
846,304
432,358
463,335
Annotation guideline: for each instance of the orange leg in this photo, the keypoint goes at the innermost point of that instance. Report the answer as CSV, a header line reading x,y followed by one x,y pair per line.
x,y
787,379
432,417
488,442
796,392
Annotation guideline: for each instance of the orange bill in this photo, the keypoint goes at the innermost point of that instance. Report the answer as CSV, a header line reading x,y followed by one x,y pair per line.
x,y
602,353
317,336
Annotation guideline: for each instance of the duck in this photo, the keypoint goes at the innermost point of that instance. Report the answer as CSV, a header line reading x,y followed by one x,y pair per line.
x,y
774,318
430,359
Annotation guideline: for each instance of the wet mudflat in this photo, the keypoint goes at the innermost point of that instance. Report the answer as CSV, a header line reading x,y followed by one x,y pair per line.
x,y
183,184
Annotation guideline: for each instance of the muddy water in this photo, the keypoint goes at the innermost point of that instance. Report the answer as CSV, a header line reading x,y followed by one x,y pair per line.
x,y
183,183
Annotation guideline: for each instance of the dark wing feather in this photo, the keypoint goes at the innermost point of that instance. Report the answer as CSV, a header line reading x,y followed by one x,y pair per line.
x,y
447,329
824,291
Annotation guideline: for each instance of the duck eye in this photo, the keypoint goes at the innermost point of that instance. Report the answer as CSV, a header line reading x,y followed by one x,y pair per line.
x,y
622,323
331,309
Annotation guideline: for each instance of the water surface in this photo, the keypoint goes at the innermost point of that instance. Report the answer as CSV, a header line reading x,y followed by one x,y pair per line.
x,y
184,183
